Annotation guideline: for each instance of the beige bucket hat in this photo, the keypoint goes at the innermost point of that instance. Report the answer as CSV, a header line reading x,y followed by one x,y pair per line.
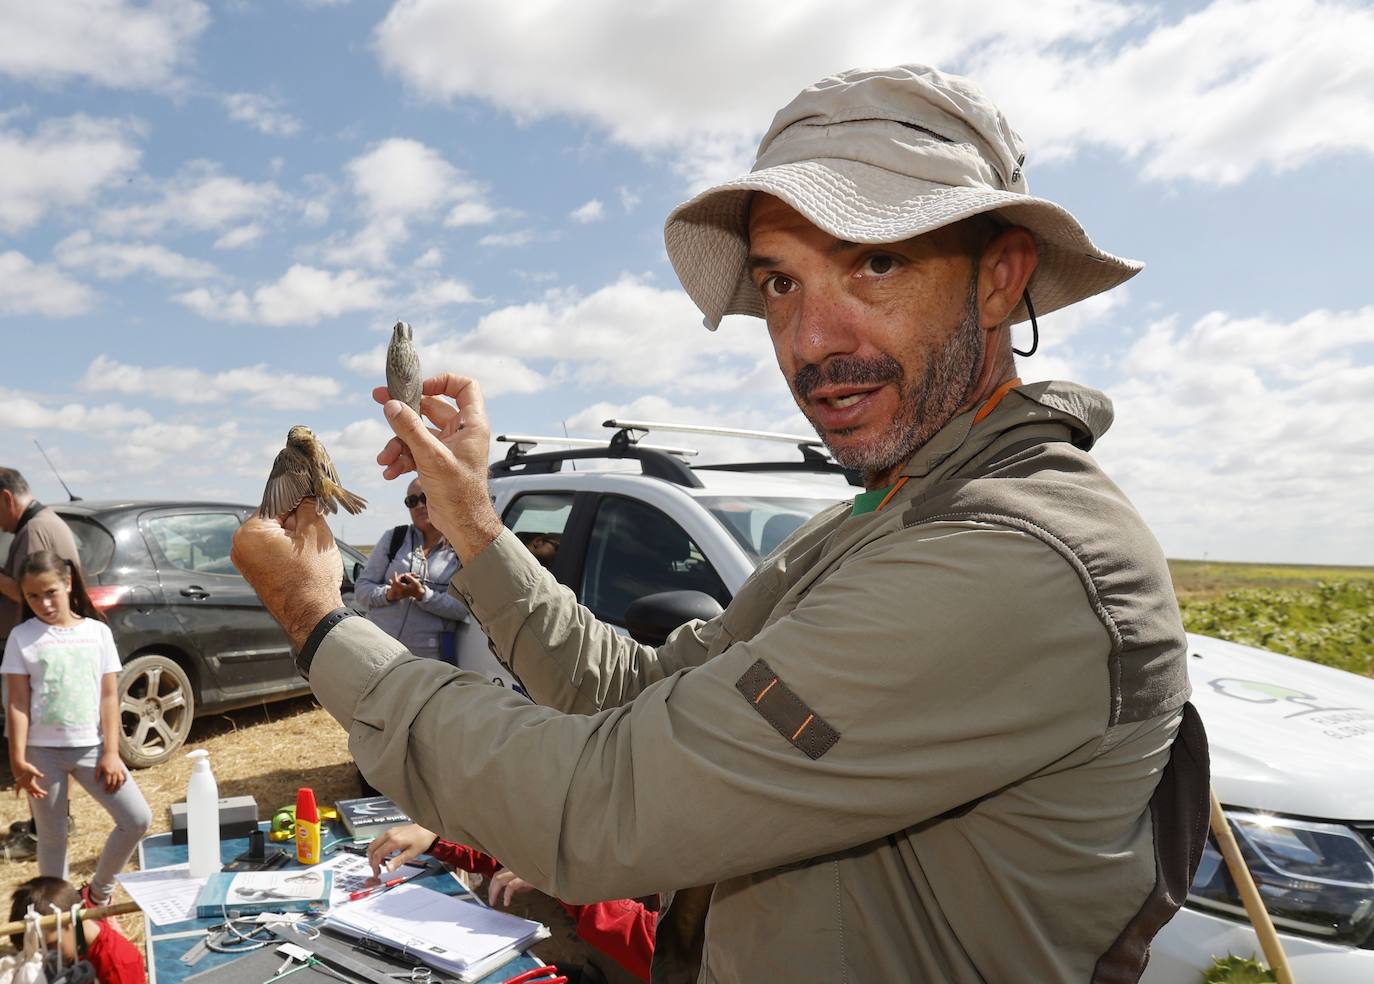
x,y
879,156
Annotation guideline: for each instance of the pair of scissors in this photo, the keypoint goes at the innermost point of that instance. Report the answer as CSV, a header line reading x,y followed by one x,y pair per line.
x,y
548,974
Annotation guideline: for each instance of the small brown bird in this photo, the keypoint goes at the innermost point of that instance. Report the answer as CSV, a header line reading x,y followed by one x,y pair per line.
x,y
403,377
303,468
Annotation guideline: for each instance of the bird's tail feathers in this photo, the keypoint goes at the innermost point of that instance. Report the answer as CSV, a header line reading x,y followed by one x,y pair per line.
x,y
353,503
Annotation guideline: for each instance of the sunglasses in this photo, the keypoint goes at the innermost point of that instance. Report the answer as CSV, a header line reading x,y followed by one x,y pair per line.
x,y
412,501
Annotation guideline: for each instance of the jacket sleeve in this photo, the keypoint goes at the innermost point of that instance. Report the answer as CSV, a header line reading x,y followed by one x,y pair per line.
x,y
945,661
622,929
565,657
464,857
370,590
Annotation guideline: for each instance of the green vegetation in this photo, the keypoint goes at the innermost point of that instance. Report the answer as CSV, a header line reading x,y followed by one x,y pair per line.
x,y
1324,614
1237,970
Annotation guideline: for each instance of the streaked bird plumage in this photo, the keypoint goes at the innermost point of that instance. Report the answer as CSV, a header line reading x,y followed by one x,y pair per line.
x,y
304,468
403,377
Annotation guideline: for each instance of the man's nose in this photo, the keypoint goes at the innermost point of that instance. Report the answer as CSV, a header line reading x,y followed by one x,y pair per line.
x,y
826,325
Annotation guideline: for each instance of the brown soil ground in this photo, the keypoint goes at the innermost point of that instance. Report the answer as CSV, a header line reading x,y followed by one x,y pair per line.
x,y
265,752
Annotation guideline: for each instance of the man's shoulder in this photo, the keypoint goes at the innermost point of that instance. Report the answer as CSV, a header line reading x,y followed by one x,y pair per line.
x,y
49,531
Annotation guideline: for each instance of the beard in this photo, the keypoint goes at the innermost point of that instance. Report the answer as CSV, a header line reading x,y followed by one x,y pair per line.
x,y
923,406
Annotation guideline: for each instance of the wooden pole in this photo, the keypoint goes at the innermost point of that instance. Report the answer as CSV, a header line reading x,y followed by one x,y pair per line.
x,y
50,921
1249,894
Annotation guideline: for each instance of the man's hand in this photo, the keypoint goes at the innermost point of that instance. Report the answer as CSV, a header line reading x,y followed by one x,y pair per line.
x,y
294,567
505,885
451,458
406,841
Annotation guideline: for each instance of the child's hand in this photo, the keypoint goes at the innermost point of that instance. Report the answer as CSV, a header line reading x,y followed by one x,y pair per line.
x,y
110,771
505,886
26,778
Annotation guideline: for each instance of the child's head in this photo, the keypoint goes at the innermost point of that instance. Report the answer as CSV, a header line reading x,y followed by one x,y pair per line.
x,y
41,893
52,589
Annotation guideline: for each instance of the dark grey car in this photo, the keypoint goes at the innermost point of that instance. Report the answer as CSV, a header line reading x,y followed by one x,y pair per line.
x,y
193,636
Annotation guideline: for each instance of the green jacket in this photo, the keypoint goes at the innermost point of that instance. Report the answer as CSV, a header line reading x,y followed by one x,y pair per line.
x,y
924,743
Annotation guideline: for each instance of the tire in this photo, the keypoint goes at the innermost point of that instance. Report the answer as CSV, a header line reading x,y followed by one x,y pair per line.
x,y
156,707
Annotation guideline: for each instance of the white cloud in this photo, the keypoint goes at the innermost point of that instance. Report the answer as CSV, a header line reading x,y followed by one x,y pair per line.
x,y
429,259
592,211
520,237
303,296
26,411
110,42
115,261
31,288
1240,438
261,385
629,200
470,213
200,198
1213,95
399,182
497,373
441,293
262,113
239,237
65,162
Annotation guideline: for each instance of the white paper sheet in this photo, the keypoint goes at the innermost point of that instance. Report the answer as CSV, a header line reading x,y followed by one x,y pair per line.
x,y
352,873
166,895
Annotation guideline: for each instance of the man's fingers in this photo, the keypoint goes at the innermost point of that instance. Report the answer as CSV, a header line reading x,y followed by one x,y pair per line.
x,y
461,390
410,428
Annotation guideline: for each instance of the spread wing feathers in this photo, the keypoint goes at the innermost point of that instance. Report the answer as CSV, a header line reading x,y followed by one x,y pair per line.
x,y
288,484
333,488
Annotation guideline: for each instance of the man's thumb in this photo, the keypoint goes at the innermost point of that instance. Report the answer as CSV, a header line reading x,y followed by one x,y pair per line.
x,y
406,423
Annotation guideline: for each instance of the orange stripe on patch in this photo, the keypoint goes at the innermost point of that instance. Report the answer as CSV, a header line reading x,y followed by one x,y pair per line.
x,y
797,734
765,690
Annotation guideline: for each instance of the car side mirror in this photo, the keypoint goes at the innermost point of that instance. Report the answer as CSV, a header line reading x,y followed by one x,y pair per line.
x,y
652,619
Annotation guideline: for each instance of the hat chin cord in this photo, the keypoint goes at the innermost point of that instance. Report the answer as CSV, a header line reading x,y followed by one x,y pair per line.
x,y
1035,328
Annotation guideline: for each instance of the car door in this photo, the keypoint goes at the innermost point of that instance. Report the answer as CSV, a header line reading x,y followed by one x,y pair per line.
x,y
241,651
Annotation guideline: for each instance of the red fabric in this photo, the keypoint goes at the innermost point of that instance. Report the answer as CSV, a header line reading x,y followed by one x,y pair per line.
x,y
622,929
115,959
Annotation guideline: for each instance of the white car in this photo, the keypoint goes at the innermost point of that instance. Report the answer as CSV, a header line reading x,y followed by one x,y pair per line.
x,y
1291,741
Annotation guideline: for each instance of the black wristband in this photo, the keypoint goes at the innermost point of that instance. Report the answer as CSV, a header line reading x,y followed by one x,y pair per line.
x,y
312,642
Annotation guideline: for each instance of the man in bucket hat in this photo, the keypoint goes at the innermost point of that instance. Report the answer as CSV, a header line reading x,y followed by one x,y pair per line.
x,y
942,734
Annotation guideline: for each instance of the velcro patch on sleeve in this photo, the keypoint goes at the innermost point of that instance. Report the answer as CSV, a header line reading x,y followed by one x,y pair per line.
x,y
785,711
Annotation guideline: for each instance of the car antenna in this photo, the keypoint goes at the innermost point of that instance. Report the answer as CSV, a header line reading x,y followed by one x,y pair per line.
x,y
565,434
70,496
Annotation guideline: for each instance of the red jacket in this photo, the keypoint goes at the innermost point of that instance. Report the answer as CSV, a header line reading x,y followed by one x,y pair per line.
x,y
115,959
622,929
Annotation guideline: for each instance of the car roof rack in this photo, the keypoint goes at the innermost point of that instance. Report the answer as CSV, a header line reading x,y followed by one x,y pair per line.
x,y
814,457
654,461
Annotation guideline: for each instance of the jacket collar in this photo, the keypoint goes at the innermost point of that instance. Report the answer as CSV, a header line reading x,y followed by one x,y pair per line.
x,y
1084,413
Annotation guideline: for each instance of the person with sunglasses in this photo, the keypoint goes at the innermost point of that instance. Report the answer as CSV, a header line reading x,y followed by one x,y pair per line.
x,y
404,587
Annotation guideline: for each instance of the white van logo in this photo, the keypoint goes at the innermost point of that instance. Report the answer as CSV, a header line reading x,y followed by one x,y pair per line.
x,y
1335,722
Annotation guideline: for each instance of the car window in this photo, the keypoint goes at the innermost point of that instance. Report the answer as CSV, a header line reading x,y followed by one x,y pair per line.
x,y
94,544
759,524
196,541
636,550
538,519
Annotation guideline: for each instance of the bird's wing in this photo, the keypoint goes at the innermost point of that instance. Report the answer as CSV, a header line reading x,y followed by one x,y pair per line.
x,y
288,483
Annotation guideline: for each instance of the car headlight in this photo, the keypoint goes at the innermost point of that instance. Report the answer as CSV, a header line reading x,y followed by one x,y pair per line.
x,y
1315,878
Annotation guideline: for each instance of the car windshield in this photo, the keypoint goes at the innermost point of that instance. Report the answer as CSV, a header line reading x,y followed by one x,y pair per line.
x,y
760,523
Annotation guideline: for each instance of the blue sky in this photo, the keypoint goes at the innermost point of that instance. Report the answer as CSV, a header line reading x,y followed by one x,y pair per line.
x,y
210,215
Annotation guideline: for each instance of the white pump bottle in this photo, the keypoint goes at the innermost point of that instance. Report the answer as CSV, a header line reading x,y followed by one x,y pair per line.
x,y
202,816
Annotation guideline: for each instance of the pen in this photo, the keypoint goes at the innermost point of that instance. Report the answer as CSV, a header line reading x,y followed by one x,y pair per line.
x,y
363,893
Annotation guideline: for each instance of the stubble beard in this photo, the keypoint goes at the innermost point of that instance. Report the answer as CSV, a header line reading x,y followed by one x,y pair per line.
x,y
922,409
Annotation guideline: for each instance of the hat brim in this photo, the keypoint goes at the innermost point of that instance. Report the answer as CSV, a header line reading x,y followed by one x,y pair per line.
x,y
708,238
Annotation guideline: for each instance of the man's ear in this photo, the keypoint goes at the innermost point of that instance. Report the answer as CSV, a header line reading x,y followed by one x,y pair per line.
x,y
1004,270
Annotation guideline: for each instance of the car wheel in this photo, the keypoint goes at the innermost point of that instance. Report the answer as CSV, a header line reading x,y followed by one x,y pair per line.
x,y
155,710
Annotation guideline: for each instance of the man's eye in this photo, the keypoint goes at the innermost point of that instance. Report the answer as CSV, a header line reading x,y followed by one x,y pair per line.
x,y
777,284
879,263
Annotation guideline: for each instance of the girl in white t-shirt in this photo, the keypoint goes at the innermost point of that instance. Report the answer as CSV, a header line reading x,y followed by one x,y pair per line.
x,y
62,671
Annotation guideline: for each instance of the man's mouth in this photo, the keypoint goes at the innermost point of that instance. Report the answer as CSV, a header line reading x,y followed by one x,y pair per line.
x,y
840,402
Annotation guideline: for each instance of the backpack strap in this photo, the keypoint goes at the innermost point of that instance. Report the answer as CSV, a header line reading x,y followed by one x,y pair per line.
x,y
398,536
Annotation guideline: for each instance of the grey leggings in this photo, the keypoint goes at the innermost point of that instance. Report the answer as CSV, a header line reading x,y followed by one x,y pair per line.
x,y
126,805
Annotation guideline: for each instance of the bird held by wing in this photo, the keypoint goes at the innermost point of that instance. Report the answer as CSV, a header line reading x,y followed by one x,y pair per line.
x,y
403,377
303,468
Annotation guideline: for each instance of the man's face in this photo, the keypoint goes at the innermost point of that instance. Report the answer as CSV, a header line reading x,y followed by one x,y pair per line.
x,y
880,344
9,511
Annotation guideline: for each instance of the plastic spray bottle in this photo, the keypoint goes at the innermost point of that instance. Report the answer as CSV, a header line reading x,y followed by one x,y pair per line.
x,y
202,816
307,827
